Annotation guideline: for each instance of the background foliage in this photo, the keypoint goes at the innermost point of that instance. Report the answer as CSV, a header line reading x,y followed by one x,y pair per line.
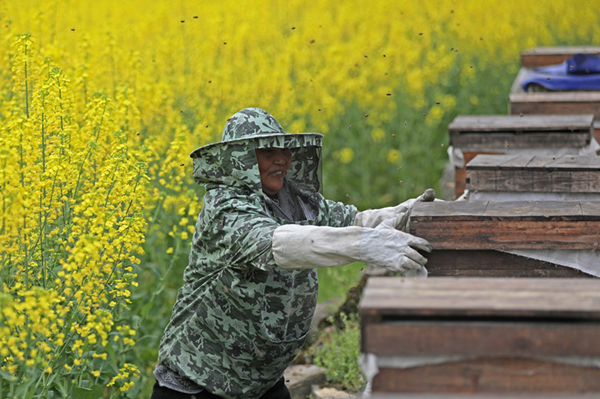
x,y
101,103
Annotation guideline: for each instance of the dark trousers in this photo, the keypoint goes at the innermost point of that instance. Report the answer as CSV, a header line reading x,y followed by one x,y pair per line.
x,y
278,391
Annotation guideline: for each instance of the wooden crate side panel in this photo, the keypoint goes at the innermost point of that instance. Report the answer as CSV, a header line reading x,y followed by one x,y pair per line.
x,y
433,338
479,263
515,123
504,375
495,141
527,106
522,298
460,173
508,234
481,180
517,180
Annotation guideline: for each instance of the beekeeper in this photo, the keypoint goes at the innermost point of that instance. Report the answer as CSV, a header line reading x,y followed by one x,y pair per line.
x,y
250,288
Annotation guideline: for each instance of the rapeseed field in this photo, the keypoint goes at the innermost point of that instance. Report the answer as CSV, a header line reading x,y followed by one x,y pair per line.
x,y
102,102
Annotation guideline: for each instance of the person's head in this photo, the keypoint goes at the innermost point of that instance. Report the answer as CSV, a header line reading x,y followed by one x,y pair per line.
x,y
255,154
273,164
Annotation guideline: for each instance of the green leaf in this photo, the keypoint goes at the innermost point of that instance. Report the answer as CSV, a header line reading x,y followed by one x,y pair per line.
x,y
111,352
146,309
95,392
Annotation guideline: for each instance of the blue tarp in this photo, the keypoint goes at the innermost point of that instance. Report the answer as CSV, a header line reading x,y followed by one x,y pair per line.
x,y
580,72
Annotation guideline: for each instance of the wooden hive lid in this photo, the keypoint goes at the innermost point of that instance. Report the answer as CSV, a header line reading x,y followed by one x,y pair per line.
x,y
521,124
549,163
499,132
482,297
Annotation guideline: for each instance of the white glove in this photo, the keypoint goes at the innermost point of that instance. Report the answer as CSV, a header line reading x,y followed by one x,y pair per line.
x,y
399,223
306,247
373,217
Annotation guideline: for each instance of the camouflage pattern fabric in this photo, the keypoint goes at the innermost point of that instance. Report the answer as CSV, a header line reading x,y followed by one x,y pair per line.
x,y
239,320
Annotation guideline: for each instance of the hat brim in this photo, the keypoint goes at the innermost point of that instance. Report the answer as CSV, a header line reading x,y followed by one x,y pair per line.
x,y
277,140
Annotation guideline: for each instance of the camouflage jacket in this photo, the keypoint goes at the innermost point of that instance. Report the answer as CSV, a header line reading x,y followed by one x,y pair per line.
x,y
239,320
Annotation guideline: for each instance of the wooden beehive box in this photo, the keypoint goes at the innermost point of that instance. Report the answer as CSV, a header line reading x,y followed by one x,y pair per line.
x,y
485,335
496,134
534,174
467,236
541,56
553,102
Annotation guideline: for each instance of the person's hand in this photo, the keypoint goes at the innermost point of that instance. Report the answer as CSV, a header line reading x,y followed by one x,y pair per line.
x,y
373,217
386,248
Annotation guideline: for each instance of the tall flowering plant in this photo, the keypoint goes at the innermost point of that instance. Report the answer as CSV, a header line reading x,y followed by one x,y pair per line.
x,y
71,229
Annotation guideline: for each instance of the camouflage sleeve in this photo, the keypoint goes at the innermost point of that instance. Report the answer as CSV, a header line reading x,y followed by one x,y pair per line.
x,y
338,214
246,234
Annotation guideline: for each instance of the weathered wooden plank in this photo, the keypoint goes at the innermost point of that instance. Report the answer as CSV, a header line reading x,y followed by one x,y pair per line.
x,y
476,263
531,140
506,234
484,161
541,56
574,162
476,210
538,161
529,161
513,131
460,173
585,182
525,124
519,180
482,297
528,173
590,208
481,180
555,103
481,338
512,161
504,375
506,225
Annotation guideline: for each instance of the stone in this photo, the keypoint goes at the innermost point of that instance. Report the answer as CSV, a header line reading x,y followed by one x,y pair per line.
x,y
332,393
301,377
